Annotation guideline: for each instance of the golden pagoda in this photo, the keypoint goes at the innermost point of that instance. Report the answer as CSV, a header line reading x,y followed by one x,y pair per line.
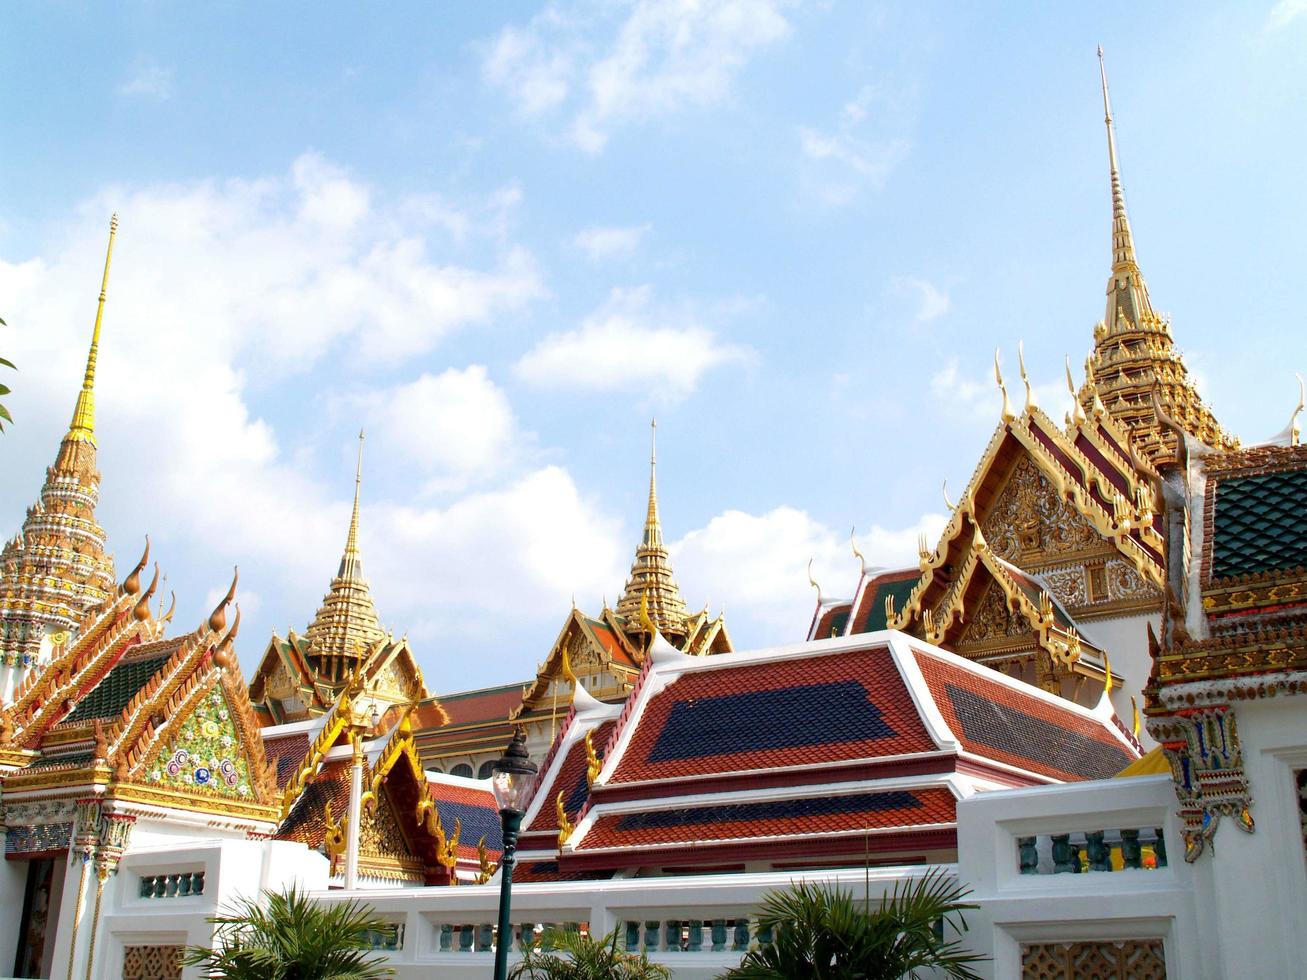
x,y
56,568
1134,357
302,675
651,591
346,624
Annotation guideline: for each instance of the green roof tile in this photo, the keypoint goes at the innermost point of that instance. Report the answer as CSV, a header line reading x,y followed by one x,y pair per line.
x,y
111,695
876,614
1260,524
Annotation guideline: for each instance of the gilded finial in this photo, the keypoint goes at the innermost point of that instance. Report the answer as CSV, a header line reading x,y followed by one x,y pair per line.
x,y
132,584
947,503
593,764
485,867
1025,378
1134,710
1007,414
1107,674
141,611
853,540
82,428
813,582
218,618
1077,410
565,826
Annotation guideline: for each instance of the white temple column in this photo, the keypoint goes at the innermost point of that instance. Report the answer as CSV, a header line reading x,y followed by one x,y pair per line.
x,y
355,815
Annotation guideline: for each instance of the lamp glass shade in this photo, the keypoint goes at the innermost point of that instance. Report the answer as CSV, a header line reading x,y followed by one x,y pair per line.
x,y
513,776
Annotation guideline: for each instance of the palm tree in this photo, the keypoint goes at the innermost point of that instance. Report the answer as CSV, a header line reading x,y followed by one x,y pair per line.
x,y
4,390
585,958
822,933
288,936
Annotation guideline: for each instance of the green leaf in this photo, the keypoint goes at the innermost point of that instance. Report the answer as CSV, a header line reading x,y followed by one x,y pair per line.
x,y
8,364
4,414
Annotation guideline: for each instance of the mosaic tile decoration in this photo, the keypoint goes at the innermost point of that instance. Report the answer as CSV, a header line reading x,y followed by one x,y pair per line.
x,y
207,752
38,838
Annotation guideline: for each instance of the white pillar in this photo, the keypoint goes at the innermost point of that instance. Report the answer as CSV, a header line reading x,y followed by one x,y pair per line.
x,y
355,815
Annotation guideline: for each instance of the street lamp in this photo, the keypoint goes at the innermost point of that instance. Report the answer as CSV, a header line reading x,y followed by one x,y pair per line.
x,y
513,776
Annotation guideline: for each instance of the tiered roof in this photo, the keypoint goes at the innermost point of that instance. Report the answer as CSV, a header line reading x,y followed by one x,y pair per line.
x,y
812,754
301,676
56,568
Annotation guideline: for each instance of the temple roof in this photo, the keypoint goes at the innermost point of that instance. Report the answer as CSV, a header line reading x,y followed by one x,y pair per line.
x,y
809,752
123,711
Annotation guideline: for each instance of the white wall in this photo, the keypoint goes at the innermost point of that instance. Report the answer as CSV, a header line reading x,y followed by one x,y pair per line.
x,y
1257,897
1127,904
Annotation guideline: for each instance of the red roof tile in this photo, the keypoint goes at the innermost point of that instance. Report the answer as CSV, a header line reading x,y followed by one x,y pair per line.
x,y
862,810
489,705
285,753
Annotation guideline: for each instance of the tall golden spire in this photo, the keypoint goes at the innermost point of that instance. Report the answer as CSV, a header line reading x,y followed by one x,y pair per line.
x,y
651,582
82,428
346,624
1123,245
1134,357
351,563
56,567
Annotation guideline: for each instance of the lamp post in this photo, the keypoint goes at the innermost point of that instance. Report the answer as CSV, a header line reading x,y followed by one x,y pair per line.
x,y
514,774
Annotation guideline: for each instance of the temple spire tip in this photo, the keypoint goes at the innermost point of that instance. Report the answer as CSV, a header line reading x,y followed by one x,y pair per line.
x,y
82,427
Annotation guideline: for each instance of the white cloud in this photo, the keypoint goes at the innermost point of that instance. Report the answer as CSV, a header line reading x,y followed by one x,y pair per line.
x,y
149,81
1284,13
933,302
664,56
626,345
600,242
223,295
757,564
534,70
457,426
843,161
527,547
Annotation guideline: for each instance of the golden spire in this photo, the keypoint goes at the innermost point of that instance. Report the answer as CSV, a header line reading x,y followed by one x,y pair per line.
x,y
1134,358
651,583
653,529
346,625
82,428
351,564
1123,245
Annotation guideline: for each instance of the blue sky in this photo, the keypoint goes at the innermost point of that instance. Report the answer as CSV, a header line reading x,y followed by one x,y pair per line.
x,y
501,237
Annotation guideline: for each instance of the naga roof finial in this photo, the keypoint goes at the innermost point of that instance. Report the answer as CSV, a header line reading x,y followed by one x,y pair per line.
x,y
853,540
813,582
1025,378
1008,414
